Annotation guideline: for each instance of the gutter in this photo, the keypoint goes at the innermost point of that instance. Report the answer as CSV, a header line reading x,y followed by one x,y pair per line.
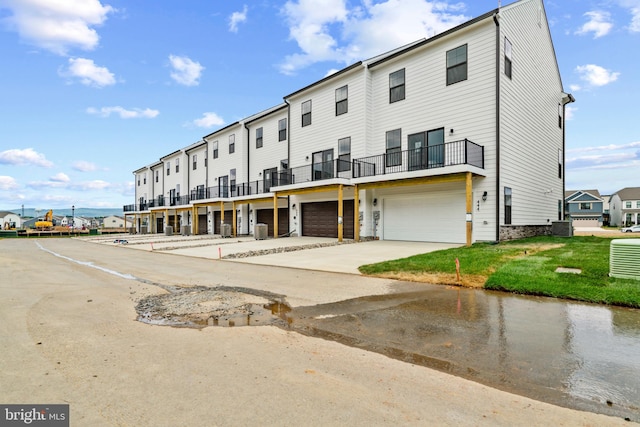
x,y
565,100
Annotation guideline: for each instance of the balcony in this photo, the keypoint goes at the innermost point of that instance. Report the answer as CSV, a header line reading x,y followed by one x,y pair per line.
x,y
463,152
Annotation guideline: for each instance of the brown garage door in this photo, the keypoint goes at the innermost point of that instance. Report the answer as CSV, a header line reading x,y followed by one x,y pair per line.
x,y
265,216
202,223
228,219
320,219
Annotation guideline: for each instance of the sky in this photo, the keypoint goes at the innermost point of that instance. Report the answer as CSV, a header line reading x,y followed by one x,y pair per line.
x,y
91,90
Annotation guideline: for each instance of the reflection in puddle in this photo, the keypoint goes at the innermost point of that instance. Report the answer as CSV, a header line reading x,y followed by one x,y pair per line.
x,y
576,355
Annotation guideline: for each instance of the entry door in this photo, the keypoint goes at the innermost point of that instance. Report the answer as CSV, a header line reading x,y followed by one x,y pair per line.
x,y
223,186
270,177
417,151
323,165
435,145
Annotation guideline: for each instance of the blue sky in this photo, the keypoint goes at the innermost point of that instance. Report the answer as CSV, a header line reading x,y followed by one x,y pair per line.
x,y
92,90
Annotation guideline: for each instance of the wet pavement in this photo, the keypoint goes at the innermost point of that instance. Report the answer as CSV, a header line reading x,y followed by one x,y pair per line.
x,y
574,355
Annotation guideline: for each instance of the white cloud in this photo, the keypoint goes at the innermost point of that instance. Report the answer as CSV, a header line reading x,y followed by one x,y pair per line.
x,y
208,120
634,26
599,24
185,71
60,177
58,26
24,157
569,112
596,75
237,18
88,73
135,113
84,166
327,30
575,88
604,157
91,185
7,183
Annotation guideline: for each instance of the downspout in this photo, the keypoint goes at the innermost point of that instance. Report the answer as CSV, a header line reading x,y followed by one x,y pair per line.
x,y
247,220
565,100
289,162
496,20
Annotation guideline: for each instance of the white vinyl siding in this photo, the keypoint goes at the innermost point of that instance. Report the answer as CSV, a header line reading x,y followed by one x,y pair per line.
x,y
273,151
534,135
327,128
227,161
199,175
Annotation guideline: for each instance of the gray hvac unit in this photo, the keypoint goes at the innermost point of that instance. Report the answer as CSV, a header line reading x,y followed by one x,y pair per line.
x,y
561,229
185,230
225,230
144,229
260,231
624,258
168,230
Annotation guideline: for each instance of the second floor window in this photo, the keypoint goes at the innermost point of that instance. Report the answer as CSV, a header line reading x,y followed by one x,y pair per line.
x,y
393,155
178,165
507,57
306,113
232,143
259,138
341,100
168,168
144,178
157,176
282,129
585,206
396,86
215,149
195,161
344,154
457,65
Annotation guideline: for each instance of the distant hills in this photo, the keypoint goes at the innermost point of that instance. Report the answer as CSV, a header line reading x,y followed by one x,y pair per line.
x,y
80,212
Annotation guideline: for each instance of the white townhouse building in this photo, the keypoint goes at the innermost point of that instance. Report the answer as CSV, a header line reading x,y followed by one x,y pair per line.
x,y
458,138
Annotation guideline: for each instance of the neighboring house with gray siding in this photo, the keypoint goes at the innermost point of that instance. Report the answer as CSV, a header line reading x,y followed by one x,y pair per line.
x,y
585,208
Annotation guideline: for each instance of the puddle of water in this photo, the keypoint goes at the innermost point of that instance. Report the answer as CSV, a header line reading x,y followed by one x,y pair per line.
x,y
581,356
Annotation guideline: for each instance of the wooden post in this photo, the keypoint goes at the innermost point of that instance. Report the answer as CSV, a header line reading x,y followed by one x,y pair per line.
x,y
356,214
194,223
275,215
340,213
469,189
234,216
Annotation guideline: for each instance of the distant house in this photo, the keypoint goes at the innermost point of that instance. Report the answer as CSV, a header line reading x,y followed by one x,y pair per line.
x,y
585,208
9,220
624,206
114,221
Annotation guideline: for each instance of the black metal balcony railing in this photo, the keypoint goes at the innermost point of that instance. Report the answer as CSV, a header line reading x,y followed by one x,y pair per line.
x,y
436,156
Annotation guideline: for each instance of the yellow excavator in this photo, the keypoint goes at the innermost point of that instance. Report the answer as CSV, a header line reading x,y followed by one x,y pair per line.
x,y
45,223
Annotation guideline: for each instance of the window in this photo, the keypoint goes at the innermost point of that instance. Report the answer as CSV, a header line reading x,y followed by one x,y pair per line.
x,y
168,168
138,180
638,205
585,206
323,165
396,86
259,138
559,210
627,205
232,181
282,129
215,149
560,163
157,176
394,153
341,100
206,157
507,57
178,165
270,178
232,143
195,161
507,205
144,178
344,154
306,113
457,65
285,175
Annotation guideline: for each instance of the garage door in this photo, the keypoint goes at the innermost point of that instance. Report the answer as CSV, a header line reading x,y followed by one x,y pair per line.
x,y
228,219
437,217
320,219
585,222
265,216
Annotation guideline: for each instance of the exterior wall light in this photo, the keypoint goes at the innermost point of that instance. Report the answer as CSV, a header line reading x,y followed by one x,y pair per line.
x,y
484,196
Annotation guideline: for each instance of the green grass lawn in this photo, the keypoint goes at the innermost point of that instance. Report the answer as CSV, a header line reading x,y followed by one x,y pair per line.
x,y
528,266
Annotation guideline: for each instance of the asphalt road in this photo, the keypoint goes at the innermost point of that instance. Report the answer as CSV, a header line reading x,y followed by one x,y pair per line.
x,y
69,335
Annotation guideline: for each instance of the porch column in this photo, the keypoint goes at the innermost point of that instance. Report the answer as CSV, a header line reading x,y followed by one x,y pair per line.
x,y
194,223
340,214
235,217
469,189
166,219
356,214
275,215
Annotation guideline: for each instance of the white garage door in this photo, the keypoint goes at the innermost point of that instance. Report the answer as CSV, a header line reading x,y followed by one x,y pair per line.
x,y
584,222
437,217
